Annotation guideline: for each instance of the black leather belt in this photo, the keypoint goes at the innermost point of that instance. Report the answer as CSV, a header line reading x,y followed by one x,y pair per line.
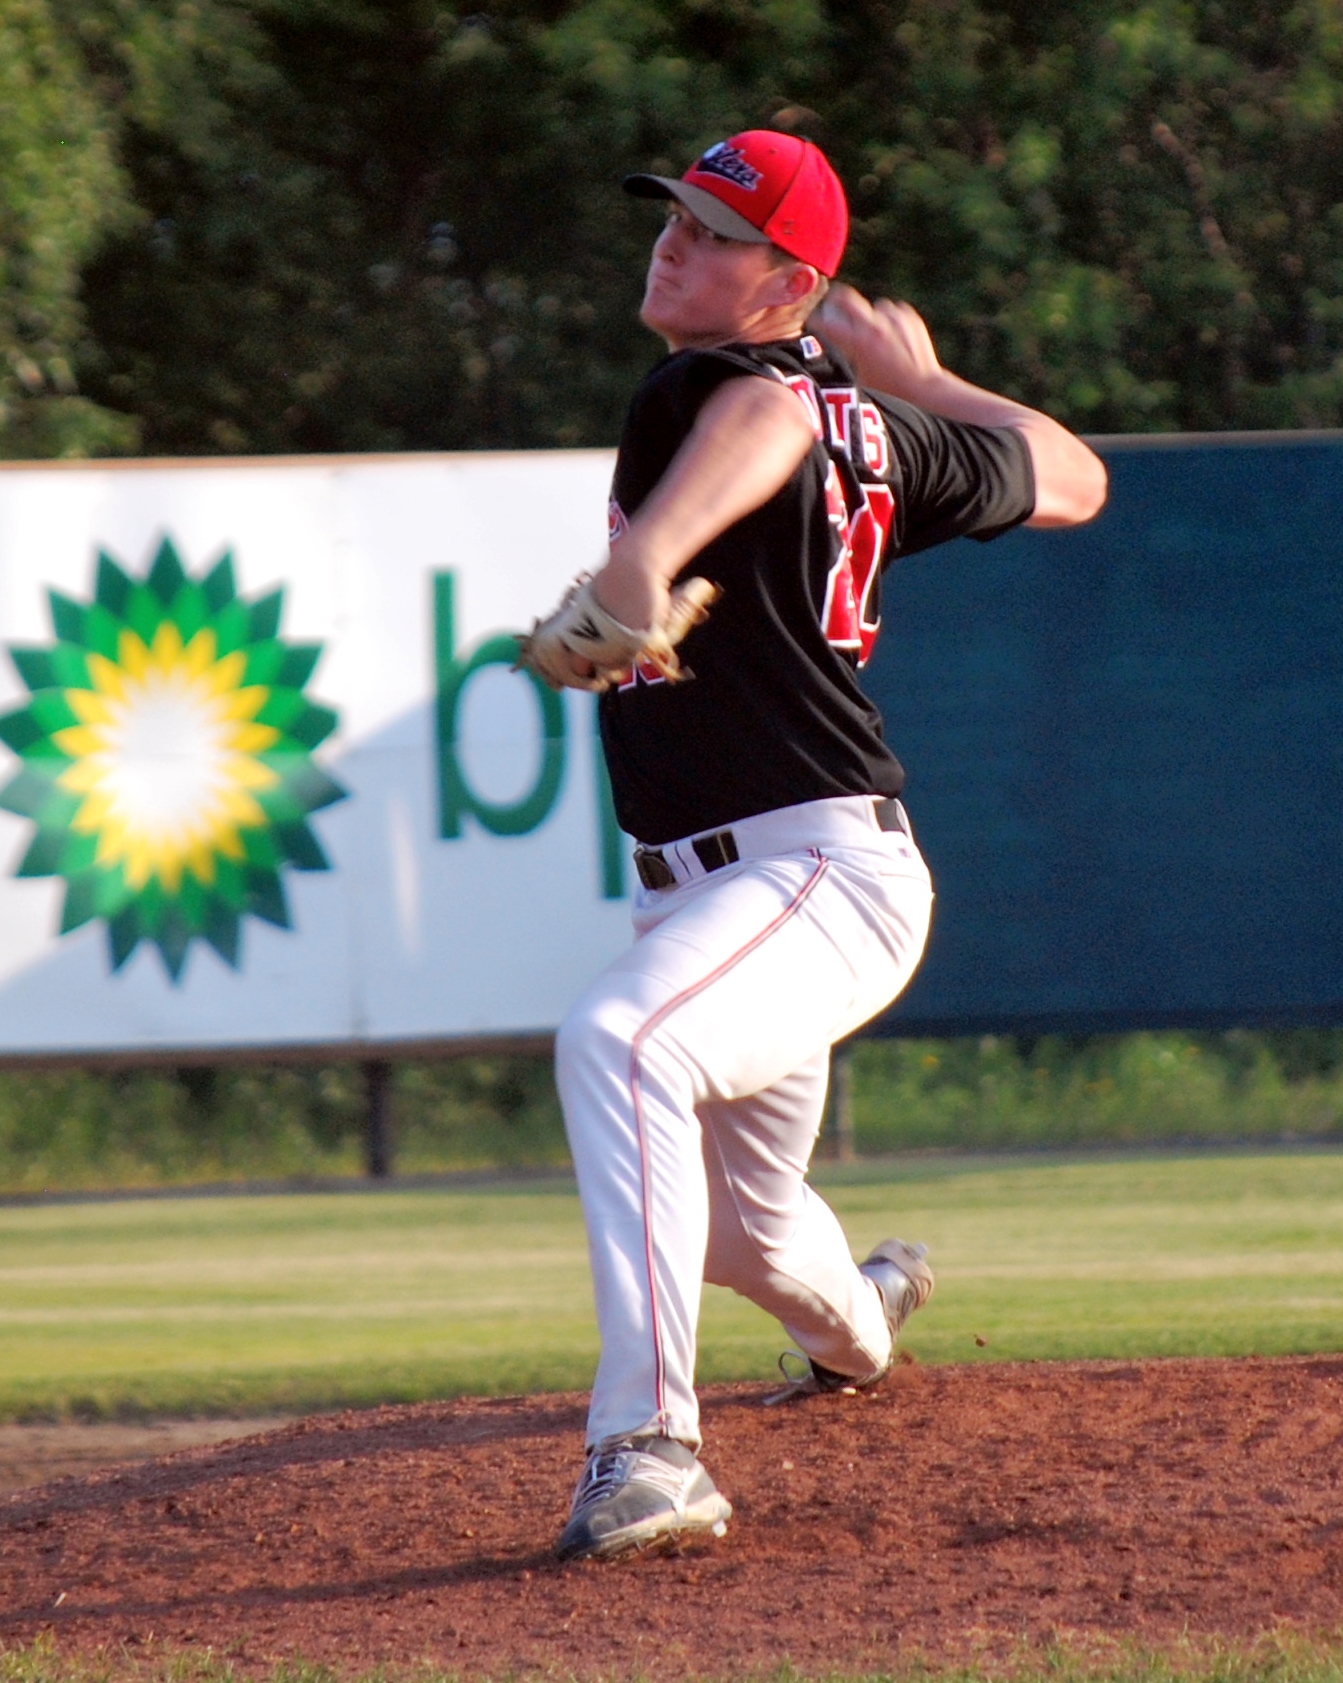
x,y
720,848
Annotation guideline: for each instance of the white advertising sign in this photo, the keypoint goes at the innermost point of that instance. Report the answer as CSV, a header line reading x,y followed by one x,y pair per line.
x,y
266,777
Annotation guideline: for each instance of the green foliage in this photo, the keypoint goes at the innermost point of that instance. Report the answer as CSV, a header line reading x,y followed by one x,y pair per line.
x,y
412,238
62,191
1141,1089
79,81
66,1130
398,226
478,1113
70,1130
1129,214
337,225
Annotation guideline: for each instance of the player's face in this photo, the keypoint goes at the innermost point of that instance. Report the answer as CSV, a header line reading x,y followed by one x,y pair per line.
x,y
703,289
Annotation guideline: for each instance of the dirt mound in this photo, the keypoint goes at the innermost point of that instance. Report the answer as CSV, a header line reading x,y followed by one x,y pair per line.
x,y
954,1512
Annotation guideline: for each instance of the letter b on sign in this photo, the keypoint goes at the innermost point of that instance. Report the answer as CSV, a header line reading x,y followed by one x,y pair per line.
x,y
456,796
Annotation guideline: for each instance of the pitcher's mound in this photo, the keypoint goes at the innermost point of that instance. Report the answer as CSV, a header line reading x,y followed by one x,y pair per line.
x,y
955,1512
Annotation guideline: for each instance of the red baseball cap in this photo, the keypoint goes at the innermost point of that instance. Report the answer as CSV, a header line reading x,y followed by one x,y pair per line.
x,y
772,189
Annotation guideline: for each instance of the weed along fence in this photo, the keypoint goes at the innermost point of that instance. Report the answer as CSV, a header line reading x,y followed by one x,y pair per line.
x,y
270,788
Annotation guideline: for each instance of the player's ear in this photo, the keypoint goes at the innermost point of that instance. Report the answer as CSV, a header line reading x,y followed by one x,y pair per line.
x,y
800,281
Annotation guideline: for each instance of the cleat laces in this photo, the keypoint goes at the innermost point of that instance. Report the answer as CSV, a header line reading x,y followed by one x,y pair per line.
x,y
610,1470
804,1383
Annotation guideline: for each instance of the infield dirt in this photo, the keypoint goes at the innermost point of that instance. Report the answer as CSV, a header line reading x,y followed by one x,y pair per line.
x,y
955,1514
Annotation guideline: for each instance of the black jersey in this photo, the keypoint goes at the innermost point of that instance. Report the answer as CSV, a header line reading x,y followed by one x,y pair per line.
x,y
774,714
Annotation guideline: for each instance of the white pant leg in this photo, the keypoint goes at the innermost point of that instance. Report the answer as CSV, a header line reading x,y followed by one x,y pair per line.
x,y
773,1239
736,980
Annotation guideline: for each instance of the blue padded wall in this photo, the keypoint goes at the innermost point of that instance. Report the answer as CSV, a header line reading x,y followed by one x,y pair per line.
x,y
1124,747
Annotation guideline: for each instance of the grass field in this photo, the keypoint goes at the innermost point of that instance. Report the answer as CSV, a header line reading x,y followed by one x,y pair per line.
x,y
253,1304
1277,1658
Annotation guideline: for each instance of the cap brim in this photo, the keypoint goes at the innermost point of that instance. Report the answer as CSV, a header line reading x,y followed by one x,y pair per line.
x,y
717,217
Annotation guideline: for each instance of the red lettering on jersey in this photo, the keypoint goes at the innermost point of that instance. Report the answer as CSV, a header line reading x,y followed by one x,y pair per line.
x,y
643,672
802,388
839,400
876,443
861,538
839,615
868,535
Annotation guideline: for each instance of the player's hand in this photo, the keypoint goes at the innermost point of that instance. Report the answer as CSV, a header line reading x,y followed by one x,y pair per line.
x,y
887,344
582,647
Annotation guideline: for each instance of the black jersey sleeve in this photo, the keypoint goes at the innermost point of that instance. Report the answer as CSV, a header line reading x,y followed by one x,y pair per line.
x,y
956,480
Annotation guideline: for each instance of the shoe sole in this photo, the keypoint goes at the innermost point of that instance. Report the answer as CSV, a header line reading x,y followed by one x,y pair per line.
x,y
710,1514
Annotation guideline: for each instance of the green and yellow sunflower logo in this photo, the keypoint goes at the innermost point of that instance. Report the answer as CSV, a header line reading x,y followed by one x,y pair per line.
x,y
166,758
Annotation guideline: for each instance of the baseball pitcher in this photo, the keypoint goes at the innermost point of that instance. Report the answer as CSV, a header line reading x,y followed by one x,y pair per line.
x,y
794,441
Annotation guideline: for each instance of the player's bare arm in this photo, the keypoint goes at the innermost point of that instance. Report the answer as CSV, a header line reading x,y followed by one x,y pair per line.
x,y
891,349
746,444
703,289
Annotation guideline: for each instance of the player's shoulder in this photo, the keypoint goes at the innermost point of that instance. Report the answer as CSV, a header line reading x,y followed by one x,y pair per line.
x,y
695,366
672,393
827,369
802,356
709,366
679,379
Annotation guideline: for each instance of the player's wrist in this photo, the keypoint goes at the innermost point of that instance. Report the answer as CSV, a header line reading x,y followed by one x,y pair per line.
x,y
630,594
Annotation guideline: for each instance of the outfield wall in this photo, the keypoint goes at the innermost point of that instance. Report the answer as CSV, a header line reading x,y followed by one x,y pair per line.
x,y
295,799
1125,749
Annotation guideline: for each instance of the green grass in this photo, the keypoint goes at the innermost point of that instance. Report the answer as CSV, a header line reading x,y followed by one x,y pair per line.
x,y
230,1305
1217,1254
1279,1658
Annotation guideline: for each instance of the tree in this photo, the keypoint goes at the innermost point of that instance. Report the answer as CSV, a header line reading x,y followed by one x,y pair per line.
x,y
414,237
1131,214
348,225
61,192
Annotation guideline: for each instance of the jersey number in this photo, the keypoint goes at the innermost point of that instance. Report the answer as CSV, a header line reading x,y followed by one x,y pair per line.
x,y
861,534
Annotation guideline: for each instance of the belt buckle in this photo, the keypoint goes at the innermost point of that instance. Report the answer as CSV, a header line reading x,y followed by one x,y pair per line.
x,y
653,870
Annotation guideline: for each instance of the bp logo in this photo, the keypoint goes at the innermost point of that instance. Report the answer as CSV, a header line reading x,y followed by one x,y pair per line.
x,y
166,759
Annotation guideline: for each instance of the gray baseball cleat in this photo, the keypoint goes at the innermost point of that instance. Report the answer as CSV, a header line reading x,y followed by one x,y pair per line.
x,y
635,1492
905,1281
902,1276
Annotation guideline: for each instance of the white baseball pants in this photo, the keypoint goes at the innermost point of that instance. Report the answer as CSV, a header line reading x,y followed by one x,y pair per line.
x,y
693,1075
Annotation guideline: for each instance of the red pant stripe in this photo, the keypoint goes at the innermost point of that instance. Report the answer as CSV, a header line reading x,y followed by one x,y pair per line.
x,y
636,1092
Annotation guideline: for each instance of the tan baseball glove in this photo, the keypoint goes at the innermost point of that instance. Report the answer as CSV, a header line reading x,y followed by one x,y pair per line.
x,y
580,633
